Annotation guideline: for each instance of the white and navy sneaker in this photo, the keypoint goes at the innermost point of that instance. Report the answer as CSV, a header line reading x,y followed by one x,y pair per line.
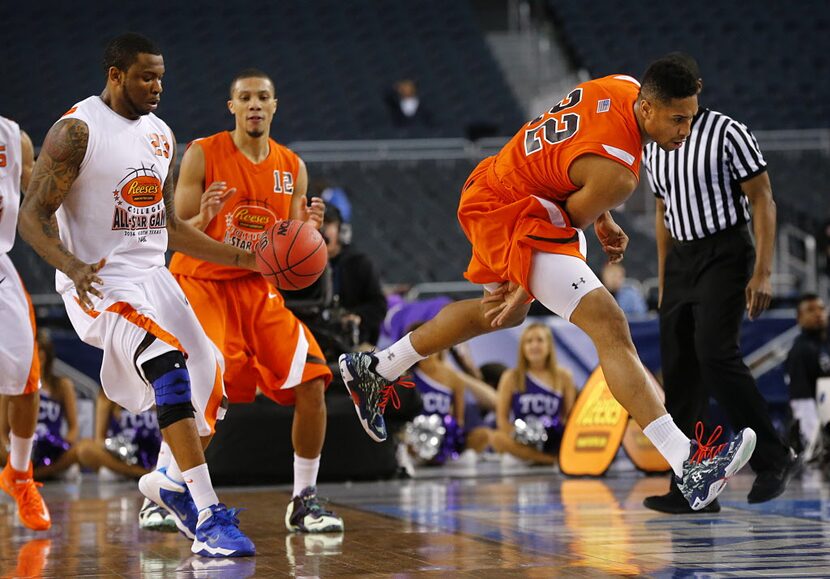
x,y
152,517
369,391
709,466
305,514
174,497
218,534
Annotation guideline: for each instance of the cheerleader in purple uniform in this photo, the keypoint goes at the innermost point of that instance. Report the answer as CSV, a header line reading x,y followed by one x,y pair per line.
x,y
442,391
125,443
54,449
534,400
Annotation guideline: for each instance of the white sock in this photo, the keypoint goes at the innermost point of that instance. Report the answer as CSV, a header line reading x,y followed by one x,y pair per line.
x,y
305,473
174,472
397,358
669,441
165,456
201,489
21,452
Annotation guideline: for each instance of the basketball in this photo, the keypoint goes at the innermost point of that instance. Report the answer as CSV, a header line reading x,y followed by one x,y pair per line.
x,y
291,255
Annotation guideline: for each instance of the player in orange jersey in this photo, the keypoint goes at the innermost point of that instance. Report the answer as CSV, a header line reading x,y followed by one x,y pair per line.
x,y
523,210
19,363
234,185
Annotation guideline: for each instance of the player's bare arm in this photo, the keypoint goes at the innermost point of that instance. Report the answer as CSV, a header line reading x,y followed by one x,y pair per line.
x,y
300,209
182,236
194,203
603,185
759,289
27,158
54,173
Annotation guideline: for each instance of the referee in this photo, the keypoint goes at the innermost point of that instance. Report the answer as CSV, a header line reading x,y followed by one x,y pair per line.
x,y
709,273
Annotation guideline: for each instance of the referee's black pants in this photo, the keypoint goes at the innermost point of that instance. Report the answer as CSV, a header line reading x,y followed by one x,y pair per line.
x,y
700,322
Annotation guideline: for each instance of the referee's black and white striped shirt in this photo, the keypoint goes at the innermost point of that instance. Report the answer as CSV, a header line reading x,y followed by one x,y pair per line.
x,y
700,182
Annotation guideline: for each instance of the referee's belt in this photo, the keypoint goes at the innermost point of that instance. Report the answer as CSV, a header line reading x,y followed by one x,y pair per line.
x,y
716,236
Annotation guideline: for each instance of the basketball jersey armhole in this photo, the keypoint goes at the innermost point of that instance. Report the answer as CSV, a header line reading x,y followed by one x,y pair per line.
x,y
599,150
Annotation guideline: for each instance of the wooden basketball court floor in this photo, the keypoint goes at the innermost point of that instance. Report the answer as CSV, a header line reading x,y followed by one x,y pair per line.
x,y
526,523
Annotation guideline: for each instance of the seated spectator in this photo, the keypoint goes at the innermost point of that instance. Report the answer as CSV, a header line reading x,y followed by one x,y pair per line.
x,y
55,449
442,391
127,444
629,298
124,443
808,362
405,105
537,391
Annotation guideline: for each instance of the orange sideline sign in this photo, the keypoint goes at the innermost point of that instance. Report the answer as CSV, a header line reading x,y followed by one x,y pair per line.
x,y
594,430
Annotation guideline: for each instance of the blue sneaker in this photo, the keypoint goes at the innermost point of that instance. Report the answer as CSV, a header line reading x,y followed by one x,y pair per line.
x,y
709,466
369,391
218,534
175,497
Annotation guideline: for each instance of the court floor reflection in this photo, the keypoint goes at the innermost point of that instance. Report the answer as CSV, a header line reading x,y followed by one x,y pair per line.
x,y
534,523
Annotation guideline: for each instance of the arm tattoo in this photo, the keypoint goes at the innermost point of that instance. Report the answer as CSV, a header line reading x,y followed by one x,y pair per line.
x,y
169,189
54,173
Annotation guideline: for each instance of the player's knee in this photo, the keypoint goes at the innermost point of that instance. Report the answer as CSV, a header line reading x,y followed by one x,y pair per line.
x,y
599,315
170,380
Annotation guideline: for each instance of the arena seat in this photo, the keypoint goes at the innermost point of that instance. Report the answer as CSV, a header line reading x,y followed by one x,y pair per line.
x,y
332,63
761,63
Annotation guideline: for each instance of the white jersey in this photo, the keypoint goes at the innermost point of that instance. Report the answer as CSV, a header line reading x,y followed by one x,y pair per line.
x,y
10,168
115,208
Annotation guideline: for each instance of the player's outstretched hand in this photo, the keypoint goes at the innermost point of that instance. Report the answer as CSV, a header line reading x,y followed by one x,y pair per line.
x,y
314,212
509,297
83,275
213,199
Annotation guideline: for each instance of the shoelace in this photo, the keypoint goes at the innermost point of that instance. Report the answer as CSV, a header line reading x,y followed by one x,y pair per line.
x,y
389,393
706,450
30,497
312,503
227,517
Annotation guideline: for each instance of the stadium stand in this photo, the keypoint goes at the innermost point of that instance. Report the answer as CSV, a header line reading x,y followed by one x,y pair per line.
x,y
332,62
762,62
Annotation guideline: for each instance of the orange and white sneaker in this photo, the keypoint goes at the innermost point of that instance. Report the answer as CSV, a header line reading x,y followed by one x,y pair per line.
x,y
30,505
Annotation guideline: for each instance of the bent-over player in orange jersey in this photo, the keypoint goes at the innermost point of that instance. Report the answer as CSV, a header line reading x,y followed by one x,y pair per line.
x,y
234,185
523,211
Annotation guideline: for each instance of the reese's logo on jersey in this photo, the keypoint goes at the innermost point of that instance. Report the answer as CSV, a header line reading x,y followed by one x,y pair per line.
x,y
246,223
142,191
139,203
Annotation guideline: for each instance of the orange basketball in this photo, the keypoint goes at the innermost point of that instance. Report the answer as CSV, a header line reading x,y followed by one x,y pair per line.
x,y
291,254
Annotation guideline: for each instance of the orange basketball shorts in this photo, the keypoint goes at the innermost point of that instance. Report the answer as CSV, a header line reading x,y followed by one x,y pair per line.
x,y
265,346
505,230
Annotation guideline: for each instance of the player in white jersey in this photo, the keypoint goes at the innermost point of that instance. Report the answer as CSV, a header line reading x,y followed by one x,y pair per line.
x,y
100,209
19,361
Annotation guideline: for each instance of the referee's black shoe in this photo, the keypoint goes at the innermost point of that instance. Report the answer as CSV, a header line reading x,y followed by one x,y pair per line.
x,y
771,483
674,503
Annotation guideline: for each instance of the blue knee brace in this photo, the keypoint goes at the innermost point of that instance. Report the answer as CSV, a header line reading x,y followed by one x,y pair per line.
x,y
170,380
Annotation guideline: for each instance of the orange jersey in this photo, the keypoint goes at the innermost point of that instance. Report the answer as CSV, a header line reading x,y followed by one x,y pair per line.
x,y
596,118
263,196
